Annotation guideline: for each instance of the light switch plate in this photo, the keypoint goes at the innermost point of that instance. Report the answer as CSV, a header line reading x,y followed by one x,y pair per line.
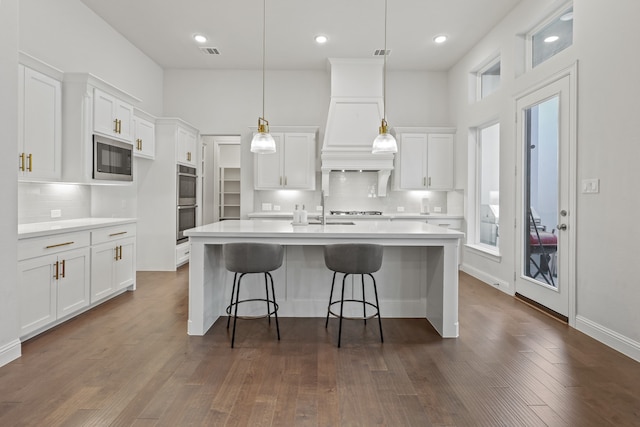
x,y
400,208
276,207
437,209
590,186
56,213
266,206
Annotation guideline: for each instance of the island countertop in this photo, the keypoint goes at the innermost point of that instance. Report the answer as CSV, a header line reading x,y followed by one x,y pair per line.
x,y
380,230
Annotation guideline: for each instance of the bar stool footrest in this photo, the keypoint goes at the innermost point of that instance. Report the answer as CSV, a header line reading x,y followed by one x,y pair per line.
x,y
259,316
376,313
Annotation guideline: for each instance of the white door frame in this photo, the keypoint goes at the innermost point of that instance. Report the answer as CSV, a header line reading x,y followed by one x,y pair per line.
x,y
570,234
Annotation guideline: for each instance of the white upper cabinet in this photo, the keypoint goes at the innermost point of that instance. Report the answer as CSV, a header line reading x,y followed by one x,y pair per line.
x,y
39,125
186,147
92,106
292,166
112,117
144,144
425,159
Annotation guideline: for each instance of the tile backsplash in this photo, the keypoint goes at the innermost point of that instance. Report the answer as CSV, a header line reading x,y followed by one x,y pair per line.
x,y
37,200
358,191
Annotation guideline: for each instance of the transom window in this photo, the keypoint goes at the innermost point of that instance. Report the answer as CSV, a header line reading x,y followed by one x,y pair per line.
x,y
552,37
489,79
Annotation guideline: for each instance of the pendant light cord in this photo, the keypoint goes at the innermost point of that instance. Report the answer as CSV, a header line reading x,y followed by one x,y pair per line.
x,y
384,70
264,47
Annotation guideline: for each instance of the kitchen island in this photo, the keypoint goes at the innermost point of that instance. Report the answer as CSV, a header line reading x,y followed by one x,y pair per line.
x,y
418,278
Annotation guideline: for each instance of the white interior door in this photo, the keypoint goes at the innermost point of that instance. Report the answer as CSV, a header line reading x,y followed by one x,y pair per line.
x,y
545,200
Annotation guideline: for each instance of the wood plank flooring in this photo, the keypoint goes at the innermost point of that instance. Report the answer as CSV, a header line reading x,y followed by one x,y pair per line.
x,y
130,362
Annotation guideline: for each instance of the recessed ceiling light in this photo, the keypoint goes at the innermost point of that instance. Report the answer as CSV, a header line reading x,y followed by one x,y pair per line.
x,y
440,39
200,38
567,16
321,39
551,39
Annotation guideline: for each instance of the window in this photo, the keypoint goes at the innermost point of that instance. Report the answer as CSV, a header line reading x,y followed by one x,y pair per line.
x,y
487,186
489,79
552,37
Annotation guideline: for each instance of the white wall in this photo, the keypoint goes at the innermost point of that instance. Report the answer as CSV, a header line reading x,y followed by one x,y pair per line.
x,y
9,328
608,149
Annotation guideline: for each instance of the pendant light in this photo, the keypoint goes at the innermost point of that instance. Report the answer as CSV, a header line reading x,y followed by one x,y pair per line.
x,y
384,142
263,142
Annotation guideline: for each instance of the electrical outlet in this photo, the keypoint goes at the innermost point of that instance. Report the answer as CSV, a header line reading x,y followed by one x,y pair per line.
x,y
437,209
318,208
56,213
276,207
266,206
400,208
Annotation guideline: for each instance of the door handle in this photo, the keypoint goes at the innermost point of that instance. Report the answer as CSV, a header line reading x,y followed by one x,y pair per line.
x,y
561,226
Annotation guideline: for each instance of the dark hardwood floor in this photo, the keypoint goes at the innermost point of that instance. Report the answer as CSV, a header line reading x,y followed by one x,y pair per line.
x,y
130,362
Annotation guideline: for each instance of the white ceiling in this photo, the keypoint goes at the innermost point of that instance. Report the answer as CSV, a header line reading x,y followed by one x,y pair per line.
x,y
163,30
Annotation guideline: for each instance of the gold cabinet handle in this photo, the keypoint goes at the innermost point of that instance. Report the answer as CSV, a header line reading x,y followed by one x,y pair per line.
x,y
58,245
120,252
30,162
21,167
119,126
56,276
189,156
280,180
429,181
62,269
424,181
116,257
115,125
285,181
117,234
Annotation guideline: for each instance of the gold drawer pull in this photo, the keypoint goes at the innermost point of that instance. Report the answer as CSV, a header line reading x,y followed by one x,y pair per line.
x,y
59,244
117,234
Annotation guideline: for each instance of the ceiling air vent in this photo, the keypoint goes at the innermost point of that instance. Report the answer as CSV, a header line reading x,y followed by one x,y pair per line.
x,y
210,50
380,52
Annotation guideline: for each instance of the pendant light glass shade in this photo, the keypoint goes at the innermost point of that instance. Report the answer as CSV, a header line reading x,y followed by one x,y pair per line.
x,y
263,142
384,142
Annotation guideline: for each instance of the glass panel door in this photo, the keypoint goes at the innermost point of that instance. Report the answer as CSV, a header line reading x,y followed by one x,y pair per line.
x,y
546,152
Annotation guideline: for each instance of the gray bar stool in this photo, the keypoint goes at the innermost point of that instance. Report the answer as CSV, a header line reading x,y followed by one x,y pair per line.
x,y
353,258
247,258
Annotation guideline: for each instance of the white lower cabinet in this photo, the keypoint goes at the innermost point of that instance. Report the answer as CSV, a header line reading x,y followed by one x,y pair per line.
x,y
64,274
112,260
52,287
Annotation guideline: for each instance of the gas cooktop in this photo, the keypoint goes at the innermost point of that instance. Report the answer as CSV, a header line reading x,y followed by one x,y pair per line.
x,y
356,213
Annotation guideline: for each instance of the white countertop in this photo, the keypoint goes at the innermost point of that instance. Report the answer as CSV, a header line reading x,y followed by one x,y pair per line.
x,y
398,215
38,229
365,229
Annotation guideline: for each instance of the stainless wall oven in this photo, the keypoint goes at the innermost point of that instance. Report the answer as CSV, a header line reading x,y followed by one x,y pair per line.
x,y
186,201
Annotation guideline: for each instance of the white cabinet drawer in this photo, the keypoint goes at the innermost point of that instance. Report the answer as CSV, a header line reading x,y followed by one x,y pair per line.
x,y
39,246
182,253
108,234
454,224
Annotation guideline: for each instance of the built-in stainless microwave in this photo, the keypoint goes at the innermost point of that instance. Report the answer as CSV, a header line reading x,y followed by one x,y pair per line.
x,y
112,160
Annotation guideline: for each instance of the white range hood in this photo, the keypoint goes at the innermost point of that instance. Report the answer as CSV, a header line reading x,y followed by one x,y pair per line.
x,y
355,113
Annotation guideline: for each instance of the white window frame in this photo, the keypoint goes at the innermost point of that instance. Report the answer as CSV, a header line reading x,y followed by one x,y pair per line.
x,y
480,72
475,143
529,35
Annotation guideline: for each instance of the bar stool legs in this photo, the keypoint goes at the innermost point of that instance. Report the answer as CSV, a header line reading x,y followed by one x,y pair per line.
x,y
235,301
364,304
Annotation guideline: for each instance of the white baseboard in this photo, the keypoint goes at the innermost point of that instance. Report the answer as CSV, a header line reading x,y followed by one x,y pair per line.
x,y
608,337
10,351
488,279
